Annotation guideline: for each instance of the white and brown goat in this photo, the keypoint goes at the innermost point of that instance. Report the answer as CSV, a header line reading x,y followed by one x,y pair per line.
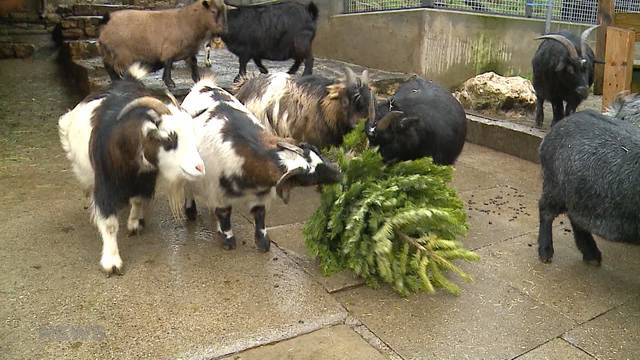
x,y
245,162
313,109
119,142
157,38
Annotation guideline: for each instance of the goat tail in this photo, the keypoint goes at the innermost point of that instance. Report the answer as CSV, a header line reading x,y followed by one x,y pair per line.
x,y
237,85
136,72
63,131
313,10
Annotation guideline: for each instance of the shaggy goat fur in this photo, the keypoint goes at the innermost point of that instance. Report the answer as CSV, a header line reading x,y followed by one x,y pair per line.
x,y
590,167
311,109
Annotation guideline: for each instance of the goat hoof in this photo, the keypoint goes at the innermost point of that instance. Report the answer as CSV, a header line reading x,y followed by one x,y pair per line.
x,y
545,254
237,78
191,211
263,245
593,260
135,227
170,84
111,265
229,243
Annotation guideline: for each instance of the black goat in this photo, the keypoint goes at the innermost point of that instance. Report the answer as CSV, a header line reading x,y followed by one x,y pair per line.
x,y
421,119
278,32
590,167
563,71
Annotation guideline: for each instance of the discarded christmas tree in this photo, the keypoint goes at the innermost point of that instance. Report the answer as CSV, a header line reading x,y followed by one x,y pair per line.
x,y
396,224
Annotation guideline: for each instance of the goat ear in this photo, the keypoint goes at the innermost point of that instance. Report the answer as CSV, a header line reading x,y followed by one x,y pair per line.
x,y
153,134
408,121
350,76
561,66
288,146
335,90
365,77
206,4
388,118
284,185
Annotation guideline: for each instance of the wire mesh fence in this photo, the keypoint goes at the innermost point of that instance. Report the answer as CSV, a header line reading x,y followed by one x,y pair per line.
x,y
580,11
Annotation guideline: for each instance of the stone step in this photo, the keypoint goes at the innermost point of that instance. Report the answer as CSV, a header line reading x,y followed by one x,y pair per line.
x,y
80,49
16,50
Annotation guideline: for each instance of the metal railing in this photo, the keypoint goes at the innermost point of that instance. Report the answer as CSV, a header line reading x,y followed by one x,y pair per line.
x,y
579,11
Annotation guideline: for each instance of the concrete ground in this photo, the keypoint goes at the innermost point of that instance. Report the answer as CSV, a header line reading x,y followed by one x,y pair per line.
x,y
183,297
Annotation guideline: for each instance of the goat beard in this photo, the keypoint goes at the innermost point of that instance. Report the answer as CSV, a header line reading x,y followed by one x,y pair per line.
x,y
176,198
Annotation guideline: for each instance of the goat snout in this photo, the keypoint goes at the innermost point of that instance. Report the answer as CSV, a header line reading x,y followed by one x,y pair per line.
x,y
583,91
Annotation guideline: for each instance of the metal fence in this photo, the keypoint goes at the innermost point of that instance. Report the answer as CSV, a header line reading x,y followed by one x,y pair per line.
x,y
580,11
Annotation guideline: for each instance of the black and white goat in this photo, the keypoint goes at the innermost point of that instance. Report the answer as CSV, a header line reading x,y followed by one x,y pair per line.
x,y
118,141
311,109
245,162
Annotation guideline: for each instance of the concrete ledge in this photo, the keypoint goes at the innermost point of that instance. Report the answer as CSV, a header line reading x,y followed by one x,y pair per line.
x,y
513,139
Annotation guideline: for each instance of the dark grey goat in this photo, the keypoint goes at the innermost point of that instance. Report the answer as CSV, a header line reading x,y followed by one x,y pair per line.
x,y
591,171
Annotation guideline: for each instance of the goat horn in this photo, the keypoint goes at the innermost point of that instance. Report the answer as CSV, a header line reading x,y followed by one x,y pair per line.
x,y
282,189
349,75
173,99
148,102
573,52
365,77
583,40
387,119
287,146
372,106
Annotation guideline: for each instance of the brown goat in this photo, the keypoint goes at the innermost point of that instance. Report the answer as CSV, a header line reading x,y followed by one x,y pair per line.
x,y
157,38
310,109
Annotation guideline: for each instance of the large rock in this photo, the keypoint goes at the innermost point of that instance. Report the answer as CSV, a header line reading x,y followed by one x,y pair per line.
x,y
492,92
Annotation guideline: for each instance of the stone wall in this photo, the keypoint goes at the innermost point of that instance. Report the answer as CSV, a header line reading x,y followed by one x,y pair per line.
x,y
446,46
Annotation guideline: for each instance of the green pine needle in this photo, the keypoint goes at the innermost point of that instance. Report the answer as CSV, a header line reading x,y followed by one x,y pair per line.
x,y
397,224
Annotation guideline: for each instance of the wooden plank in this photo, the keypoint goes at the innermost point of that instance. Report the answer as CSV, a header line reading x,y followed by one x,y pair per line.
x,y
629,21
606,9
618,68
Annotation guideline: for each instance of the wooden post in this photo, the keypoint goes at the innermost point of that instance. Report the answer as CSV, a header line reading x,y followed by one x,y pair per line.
x,y
606,10
618,69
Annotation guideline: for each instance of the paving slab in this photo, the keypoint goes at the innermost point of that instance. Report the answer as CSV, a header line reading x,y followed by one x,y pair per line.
x,y
334,343
510,170
569,285
290,238
467,177
556,349
181,296
497,214
612,336
490,320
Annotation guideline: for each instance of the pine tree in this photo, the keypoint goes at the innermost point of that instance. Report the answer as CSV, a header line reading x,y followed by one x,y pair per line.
x,y
396,224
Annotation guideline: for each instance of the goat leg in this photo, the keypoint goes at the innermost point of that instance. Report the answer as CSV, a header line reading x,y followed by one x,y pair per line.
x,y
243,69
558,110
224,227
135,223
262,240
113,75
308,64
260,66
587,246
166,76
296,65
193,64
108,226
539,111
545,231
